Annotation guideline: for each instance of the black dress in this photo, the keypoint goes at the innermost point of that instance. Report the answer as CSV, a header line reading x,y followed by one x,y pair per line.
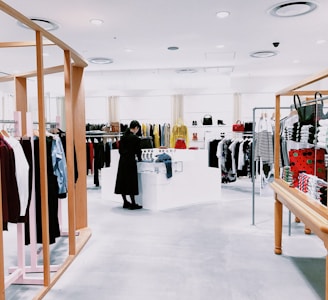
x,y
127,175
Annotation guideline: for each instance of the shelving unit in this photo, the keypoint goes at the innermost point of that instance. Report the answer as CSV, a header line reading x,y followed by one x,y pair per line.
x,y
310,212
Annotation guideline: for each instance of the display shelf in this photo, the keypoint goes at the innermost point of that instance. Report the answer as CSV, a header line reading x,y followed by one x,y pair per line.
x,y
313,214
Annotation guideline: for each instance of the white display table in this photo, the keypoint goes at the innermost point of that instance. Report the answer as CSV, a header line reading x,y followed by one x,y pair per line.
x,y
192,182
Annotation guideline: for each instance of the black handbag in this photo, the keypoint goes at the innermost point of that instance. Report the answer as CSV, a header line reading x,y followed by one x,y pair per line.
x,y
207,120
248,126
311,113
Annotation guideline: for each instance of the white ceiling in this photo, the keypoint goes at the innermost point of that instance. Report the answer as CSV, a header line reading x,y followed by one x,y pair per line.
x,y
149,27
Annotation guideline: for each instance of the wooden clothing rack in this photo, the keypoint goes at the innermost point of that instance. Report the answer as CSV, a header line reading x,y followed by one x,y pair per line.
x,y
72,70
313,214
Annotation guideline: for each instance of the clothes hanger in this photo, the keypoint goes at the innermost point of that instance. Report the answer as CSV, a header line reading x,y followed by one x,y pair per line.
x,y
36,132
5,133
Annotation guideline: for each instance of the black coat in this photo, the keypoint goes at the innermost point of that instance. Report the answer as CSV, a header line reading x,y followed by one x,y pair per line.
x,y
127,174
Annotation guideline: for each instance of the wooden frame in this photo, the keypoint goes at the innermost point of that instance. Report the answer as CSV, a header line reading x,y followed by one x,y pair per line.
x,y
75,137
310,212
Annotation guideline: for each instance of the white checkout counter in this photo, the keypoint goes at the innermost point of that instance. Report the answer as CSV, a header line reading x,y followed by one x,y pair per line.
x,y
192,181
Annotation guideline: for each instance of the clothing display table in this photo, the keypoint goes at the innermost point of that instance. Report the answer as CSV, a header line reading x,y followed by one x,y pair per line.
x,y
310,212
192,181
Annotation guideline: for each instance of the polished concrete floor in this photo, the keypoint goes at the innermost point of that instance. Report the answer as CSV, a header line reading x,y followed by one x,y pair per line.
x,y
211,251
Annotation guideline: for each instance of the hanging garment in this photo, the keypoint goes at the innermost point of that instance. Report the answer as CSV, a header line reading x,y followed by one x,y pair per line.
x,y
21,171
179,131
212,154
10,195
59,165
180,144
52,193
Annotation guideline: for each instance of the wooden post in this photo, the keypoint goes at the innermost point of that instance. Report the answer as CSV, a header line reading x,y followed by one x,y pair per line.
x,y
79,141
21,100
43,160
277,225
70,151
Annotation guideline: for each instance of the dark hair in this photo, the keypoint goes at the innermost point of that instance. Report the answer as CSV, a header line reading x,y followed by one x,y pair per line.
x,y
134,124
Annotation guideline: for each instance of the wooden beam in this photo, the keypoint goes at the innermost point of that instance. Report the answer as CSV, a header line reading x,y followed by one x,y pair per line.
x,y
23,44
46,71
292,89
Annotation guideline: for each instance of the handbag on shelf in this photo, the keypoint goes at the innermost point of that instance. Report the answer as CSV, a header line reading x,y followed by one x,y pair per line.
x,y
238,126
311,113
207,120
115,127
248,126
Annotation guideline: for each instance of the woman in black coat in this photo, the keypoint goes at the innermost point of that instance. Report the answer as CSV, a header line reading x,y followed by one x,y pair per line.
x,y
127,175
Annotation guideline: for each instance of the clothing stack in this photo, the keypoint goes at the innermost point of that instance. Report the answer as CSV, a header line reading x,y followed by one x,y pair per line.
x,y
322,134
296,132
313,186
307,134
289,133
323,195
287,175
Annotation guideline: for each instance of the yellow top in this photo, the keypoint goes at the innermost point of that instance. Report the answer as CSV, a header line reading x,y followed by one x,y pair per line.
x,y
179,131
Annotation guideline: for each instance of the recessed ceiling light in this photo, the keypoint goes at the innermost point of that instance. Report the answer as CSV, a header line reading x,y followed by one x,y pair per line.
x,y
263,54
97,22
223,14
186,71
100,60
44,23
292,9
219,46
173,48
320,42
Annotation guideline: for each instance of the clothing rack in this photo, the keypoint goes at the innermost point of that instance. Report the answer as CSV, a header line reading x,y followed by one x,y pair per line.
x,y
18,273
72,68
103,135
8,121
253,155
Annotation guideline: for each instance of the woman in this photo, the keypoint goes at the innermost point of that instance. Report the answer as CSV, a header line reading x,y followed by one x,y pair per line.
x,y
127,175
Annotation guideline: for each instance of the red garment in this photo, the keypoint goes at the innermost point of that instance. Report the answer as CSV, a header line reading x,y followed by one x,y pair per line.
x,y
180,144
309,161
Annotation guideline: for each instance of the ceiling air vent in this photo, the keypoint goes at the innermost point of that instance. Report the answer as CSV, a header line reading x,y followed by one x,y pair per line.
x,y
44,23
263,54
100,60
292,8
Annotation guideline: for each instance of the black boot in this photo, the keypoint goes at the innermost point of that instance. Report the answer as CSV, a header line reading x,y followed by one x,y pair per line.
x,y
126,203
134,205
